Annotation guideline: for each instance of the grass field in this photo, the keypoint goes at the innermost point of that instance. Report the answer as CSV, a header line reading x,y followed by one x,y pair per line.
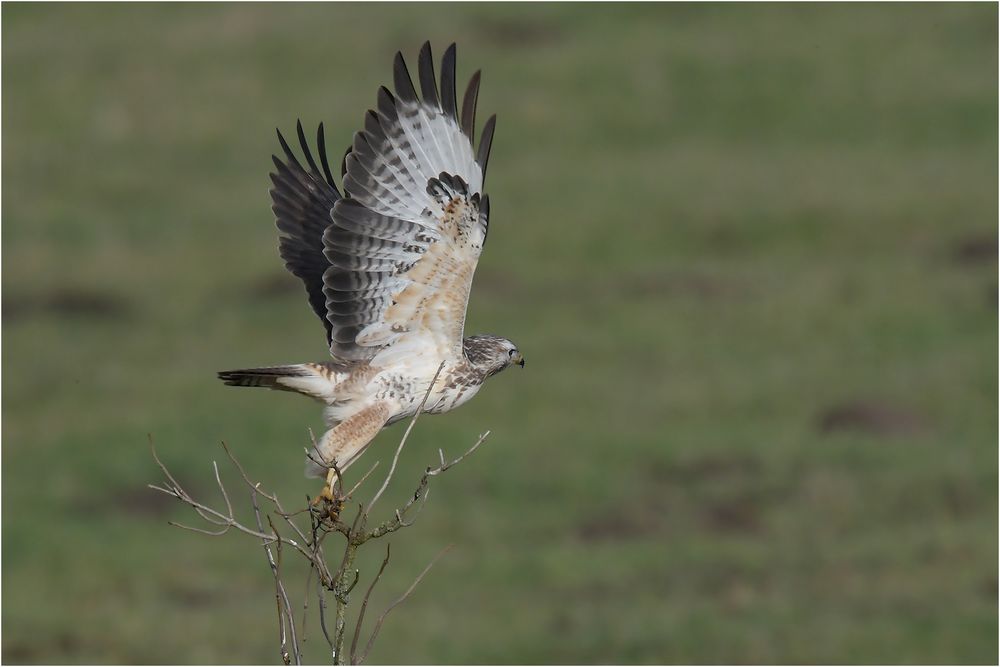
x,y
749,253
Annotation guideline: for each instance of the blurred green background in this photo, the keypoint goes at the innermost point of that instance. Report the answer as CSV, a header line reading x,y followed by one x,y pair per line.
x,y
749,253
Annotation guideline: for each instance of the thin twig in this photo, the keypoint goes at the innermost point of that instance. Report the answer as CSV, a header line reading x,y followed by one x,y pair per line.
x,y
309,542
222,488
361,481
305,602
364,607
163,468
220,518
321,594
285,613
203,531
420,494
456,461
256,488
420,507
289,612
399,600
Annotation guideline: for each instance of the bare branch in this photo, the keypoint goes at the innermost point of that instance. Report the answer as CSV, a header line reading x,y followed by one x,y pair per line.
x,y
361,481
400,600
321,594
254,486
273,497
219,518
286,617
218,480
214,533
305,601
420,494
289,612
324,520
163,468
349,550
364,607
444,466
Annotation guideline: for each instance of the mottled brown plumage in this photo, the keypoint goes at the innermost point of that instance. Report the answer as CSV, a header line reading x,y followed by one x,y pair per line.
x,y
388,264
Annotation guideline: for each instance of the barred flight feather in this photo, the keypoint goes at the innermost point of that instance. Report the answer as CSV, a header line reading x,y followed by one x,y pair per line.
x,y
302,206
404,238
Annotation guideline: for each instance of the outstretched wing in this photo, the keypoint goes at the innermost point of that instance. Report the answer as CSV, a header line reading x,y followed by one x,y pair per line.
x,y
303,202
405,241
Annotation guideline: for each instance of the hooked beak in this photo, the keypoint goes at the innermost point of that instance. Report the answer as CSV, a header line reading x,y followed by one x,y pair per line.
x,y
518,359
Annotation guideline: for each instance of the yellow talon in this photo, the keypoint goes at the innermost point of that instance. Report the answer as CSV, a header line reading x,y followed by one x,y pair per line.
x,y
327,498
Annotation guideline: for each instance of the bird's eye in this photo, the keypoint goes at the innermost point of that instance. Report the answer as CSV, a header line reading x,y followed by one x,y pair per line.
x,y
510,353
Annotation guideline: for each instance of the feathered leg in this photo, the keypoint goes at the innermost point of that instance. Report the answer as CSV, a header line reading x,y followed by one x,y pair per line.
x,y
344,443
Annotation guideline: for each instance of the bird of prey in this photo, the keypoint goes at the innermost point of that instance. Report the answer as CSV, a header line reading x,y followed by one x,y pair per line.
x,y
388,263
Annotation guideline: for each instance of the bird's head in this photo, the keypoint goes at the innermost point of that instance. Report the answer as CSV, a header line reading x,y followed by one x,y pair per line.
x,y
492,354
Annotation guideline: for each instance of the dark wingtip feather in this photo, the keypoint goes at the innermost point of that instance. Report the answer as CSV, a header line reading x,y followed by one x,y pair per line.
x,y
305,147
386,103
372,125
301,202
483,156
289,155
469,106
402,81
449,94
321,147
425,70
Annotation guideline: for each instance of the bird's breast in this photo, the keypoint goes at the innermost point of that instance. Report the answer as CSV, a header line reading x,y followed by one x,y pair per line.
x,y
406,387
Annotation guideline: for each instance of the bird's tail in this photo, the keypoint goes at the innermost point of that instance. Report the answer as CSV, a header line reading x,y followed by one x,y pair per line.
x,y
273,377
319,380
